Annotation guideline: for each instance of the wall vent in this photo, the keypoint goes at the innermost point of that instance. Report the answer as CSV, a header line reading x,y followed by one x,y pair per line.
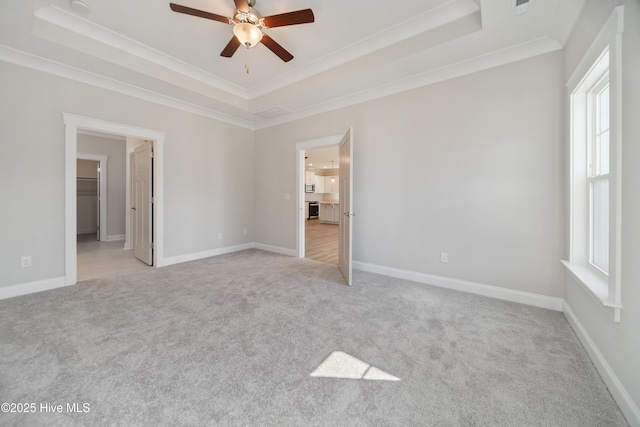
x,y
272,112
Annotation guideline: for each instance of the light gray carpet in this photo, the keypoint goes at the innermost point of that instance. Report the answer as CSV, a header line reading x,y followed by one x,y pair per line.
x,y
232,340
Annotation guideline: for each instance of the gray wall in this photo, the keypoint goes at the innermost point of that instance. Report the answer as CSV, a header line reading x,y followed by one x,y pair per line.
x,y
619,343
472,166
115,150
208,171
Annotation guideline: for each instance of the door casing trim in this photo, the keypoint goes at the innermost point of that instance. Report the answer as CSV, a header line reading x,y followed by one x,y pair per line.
x,y
72,123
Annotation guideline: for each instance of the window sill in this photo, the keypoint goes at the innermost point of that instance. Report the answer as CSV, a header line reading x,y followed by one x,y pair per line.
x,y
593,282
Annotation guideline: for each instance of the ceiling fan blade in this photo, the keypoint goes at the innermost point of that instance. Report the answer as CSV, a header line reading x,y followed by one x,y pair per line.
x,y
199,13
242,5
231,47
304,16
274,47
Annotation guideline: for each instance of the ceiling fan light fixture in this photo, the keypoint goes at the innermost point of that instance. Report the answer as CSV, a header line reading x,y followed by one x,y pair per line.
x,y
248,34
248,26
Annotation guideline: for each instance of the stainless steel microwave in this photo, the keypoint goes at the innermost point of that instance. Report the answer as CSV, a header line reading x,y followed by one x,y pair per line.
x,y
309,188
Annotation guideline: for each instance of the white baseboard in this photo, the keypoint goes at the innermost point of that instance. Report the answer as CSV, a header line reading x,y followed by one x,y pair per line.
x,y
221,251
32,287
521,297
276,249
617,390
204,254
87,231
115,237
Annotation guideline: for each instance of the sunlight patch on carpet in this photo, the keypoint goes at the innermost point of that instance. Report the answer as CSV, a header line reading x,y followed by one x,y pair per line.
x,y
343,365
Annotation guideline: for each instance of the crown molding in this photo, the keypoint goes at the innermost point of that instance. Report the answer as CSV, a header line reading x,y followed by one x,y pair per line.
x,y
24,59
410,28
62,27
473,65
479,63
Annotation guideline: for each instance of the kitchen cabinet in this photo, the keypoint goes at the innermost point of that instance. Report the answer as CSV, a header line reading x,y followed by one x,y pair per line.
x,y
324,184
326,212
331,184
336,213
330,213
319,182
309,177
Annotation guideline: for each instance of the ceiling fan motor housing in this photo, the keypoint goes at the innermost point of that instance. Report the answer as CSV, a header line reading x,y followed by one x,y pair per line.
x,y
251,16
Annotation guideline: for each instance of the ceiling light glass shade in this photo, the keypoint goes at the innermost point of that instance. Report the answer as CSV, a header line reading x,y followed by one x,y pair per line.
x,y
248,34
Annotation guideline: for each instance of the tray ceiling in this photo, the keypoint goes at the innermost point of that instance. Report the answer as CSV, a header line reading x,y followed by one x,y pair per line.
x,y
353,52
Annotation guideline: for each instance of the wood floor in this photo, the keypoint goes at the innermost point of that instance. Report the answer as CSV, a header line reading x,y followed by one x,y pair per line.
x,y
321,241
104,259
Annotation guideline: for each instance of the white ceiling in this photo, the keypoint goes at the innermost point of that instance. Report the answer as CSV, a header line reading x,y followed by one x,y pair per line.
x,y
353,52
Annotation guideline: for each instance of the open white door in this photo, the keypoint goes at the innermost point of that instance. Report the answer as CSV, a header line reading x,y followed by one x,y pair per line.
x,y
143,203
346,187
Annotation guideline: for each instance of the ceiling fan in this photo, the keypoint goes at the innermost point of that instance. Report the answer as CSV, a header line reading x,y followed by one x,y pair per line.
x,y
248,26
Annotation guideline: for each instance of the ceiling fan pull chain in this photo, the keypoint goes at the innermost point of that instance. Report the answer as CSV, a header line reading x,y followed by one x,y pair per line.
x,y
246,60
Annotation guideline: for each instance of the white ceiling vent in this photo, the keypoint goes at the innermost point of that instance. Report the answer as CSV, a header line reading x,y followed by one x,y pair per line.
x,y
521,6
272,112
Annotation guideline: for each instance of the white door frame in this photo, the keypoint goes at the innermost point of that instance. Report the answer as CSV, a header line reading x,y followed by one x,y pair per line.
x,y
72,123
103,164
300,148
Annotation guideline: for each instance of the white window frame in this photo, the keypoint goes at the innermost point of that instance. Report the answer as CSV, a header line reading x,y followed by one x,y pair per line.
x,y
594,175
602,57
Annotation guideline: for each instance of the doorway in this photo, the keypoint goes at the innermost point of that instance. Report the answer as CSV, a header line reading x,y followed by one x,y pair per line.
x,y
344,214
101,214
74,123
322,195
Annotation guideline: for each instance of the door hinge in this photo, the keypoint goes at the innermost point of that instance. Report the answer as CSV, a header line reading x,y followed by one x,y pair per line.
x,y
151,245
152,200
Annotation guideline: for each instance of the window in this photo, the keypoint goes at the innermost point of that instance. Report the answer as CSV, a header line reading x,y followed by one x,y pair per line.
x,y
598,158
595,177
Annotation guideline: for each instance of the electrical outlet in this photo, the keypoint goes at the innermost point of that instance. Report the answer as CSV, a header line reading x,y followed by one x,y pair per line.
x,y
246,231
444,257
25,261
219,236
